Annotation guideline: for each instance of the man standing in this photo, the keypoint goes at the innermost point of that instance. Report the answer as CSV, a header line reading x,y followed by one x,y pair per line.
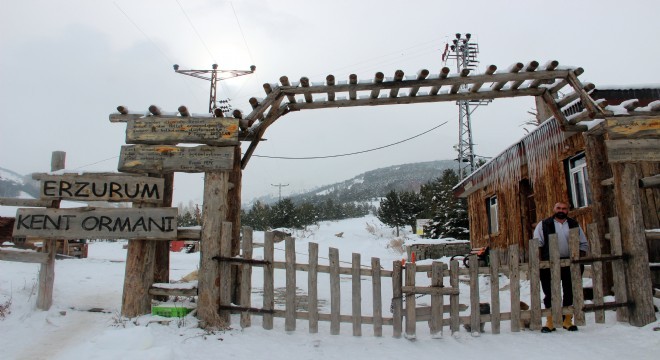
x,y
559,223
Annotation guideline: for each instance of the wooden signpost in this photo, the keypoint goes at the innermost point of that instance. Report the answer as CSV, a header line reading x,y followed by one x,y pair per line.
x,y
167,158
101,187
192,130
91,223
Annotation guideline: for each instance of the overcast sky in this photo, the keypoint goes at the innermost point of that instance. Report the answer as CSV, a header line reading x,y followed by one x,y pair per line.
x,y
65,65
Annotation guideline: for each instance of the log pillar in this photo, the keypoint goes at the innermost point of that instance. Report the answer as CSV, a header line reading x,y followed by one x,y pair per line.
x,y
638,273
234,216
162,248
215,211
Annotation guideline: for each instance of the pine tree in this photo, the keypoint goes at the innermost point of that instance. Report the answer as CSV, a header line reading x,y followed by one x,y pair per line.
x,y
412,207
391,211
449,213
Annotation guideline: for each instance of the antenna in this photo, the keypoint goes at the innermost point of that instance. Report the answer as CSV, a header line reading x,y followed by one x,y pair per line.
x,y
464,50
215,75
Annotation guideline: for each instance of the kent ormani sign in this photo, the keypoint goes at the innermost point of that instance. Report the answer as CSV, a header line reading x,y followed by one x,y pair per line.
x,y
94,223
101,187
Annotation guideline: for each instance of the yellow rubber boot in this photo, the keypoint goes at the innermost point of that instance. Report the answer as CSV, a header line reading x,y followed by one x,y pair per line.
x,y
568,323
549,326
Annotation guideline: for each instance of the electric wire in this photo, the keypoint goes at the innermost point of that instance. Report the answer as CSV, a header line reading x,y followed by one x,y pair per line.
x,y
352,153
195,30
94,163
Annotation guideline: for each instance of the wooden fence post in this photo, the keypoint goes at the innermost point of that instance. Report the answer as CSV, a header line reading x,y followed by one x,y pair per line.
x,y
495,316
397,299
377,297
576,275
475,309
246,277
555,283
226,278
335,292
357,295
638,273
514,286
411,316
453,299
269,279
437,301
312,288
618,269
216,185
290,268
596,272
534,285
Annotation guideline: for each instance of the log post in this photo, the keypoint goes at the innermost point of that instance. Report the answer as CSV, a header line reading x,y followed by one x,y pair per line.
x,y
47,269
397,299
162,248
495,291
234,216
638,273
215,210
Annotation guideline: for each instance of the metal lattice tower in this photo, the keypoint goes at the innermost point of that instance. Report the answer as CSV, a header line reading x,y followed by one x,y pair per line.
x,y
465,52
214,75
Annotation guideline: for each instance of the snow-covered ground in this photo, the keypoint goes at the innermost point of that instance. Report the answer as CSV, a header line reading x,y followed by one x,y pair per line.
x,y
70,331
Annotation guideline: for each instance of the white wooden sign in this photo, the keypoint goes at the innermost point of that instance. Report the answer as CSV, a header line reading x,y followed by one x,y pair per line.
x,y
192,130
97,223
161,159
101,187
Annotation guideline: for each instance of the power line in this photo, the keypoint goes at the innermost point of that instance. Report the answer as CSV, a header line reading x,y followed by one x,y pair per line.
x,y
353,153
143,33
196,32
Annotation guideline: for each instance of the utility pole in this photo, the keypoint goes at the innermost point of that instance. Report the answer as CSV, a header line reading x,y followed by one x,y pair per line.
x,y
465,51
214,75
280,185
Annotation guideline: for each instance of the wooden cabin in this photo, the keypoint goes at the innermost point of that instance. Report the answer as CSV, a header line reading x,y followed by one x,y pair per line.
x,y
508,195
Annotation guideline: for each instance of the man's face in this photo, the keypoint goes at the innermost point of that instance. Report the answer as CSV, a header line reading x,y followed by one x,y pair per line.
x,y
561,211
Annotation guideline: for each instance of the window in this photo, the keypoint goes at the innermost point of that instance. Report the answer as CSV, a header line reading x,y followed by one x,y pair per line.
x,y
491,207
578,183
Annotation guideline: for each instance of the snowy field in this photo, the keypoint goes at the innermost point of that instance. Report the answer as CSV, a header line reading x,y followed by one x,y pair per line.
x,y
70,331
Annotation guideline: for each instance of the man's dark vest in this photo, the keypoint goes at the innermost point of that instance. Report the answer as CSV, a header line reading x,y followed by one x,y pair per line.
x,y
549,228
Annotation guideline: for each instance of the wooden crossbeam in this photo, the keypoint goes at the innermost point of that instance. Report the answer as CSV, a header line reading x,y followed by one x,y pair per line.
x,y
421,75
398,78
531,67
378,78
454,88
330,81
588,104
352,80
477,85
574,95
513,69
304,82
444,72
274,113
549,66
563,82
285,82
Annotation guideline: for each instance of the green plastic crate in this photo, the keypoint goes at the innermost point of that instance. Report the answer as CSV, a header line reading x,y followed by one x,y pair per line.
x,y
170,311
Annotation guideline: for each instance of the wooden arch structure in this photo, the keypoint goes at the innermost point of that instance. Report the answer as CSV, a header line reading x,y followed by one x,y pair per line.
x,y
220,234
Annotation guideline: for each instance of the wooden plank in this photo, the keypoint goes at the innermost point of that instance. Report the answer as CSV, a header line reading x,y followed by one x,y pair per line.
x,y
650,182
269,279
429,290
290,309
633,127
97,223
475,309
101,187
555,283
397,299
534,285
26,202
377,297
437,301
192,130
225,271
411,321
156,291
214,213
514,285
618,270
188,234
312,288
597,272
453,299
246,276
335,291
159,159
23,256
357,296
576,272
633,150
495,291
